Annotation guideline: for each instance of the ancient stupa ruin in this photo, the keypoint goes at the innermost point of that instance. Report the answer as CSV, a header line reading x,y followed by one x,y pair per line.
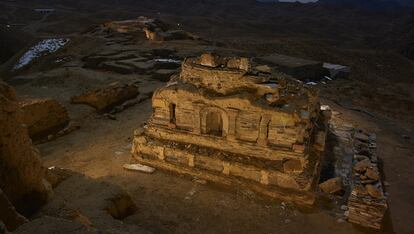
x,y
222,120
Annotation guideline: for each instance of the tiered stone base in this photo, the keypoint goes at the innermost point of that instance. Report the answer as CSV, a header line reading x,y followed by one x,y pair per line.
x,y
262,176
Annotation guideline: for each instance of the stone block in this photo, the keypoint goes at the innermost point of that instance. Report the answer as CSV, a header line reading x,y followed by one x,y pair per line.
x,y
208,163
105,99
332,186
244,171
292,166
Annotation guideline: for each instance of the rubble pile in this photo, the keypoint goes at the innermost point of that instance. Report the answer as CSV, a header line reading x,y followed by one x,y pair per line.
x,y
367,202
220,121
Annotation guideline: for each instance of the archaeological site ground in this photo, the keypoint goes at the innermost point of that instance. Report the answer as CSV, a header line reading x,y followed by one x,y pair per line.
x,y
206,116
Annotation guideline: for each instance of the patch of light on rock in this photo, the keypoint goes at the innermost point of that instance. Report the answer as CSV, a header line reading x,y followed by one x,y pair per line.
x,y
43,47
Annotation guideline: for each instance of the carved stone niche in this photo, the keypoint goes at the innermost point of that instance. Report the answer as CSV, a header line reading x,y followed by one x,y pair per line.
x,y
214,121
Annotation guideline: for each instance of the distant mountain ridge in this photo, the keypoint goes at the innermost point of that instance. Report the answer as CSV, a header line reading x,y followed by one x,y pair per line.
x,y
368,4
371,4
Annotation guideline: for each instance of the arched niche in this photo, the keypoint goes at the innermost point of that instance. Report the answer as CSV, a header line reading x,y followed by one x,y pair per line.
x,y
214,121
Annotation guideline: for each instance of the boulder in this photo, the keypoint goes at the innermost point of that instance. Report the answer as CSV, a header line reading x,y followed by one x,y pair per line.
x,y
331,186
105,99
43,116
21,171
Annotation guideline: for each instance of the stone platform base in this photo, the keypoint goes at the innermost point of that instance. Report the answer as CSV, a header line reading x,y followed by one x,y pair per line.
x,y
302,199
211,165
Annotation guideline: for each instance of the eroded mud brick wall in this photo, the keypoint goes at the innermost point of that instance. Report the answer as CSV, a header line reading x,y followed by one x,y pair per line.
x,y
21,170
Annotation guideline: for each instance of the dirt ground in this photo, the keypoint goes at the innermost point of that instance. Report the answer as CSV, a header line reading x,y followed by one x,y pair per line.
x,y
174,204
171,203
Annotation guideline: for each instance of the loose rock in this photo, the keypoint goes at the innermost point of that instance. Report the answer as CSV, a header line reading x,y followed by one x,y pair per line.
x,y
362,165
374,191
331,186
372,174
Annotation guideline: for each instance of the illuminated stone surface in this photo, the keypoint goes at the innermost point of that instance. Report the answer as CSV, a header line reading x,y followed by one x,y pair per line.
x,y
215,120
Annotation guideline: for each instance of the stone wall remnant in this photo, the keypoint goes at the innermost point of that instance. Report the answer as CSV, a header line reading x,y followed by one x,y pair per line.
x,y
105,99
367,202
22,176
43,116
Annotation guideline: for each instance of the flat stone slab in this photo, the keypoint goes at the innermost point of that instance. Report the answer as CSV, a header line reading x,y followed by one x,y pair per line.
x,y
337,70
299,68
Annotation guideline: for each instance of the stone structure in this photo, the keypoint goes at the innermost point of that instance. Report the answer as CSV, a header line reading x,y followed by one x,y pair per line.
x,y
218,121
367,202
